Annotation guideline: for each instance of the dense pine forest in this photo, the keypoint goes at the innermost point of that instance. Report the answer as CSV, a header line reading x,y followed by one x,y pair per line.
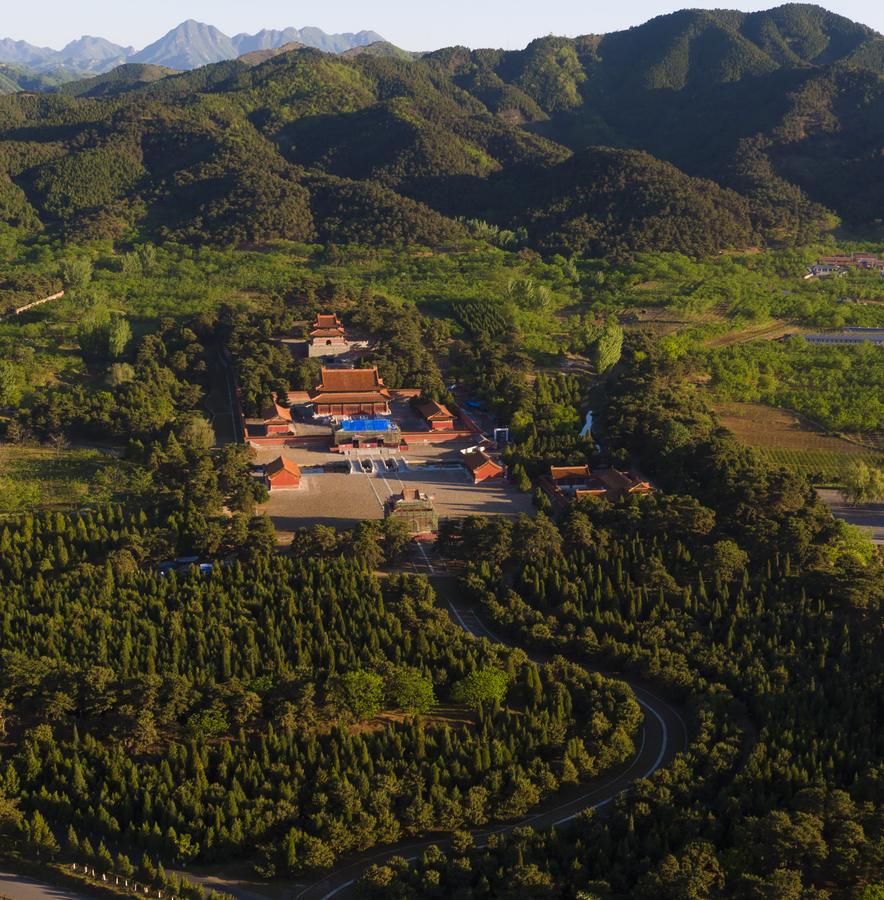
x,y
198,717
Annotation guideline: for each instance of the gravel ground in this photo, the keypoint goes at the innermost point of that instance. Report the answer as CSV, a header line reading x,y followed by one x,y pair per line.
x,y
341,500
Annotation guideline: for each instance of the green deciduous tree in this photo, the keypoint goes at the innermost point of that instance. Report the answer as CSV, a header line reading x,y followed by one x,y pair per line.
x,y
863,483
486,685
608,346
411,691
361,693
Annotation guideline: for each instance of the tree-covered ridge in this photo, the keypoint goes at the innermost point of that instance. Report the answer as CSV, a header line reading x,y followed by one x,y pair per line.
x,y
380,148
203,716
766,621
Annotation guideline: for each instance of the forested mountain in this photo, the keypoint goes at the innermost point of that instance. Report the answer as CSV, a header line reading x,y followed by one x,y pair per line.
x,y
14,79
698,131
123,78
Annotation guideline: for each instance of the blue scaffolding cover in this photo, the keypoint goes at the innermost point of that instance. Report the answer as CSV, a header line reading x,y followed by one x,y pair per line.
x,y
366,425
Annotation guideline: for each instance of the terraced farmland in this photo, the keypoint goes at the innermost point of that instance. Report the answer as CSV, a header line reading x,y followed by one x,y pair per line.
x,y
784,439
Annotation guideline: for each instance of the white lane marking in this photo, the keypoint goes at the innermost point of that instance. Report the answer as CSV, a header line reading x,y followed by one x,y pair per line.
x,y
674,712
663,744
459,618
371,482
382,469
420,547
352,881
585,797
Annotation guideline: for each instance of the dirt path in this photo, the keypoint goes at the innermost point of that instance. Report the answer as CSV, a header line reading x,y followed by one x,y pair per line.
x,y
767,331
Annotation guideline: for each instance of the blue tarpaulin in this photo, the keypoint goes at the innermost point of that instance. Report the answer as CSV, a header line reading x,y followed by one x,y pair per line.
x,y
366,425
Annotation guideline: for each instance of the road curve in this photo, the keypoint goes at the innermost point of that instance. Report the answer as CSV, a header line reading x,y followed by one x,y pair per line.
x,y
663,735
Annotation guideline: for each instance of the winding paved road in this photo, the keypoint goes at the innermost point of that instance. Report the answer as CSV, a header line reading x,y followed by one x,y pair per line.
x,y
663,735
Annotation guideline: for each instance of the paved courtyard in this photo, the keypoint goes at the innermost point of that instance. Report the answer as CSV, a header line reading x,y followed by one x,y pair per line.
x,y
340,499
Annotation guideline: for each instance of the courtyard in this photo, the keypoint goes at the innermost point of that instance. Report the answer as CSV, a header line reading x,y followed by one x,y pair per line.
x,y
340,499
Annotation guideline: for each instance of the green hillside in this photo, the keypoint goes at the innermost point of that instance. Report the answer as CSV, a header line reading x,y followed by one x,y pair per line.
x,y
770,125
14,79
123,78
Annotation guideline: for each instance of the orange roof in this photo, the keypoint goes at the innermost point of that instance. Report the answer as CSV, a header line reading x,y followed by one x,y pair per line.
x,y
622,481
276,413
596,490
327,325
332,397
327,333
477,459
567,473
281,464
433,410
350,381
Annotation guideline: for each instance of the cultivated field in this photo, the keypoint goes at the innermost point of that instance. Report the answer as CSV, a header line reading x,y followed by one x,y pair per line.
x,y
786,440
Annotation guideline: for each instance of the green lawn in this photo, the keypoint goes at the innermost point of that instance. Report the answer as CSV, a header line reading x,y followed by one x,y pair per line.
x,y
42,478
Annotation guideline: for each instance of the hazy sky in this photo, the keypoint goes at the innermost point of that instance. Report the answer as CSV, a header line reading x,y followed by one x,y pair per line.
x,y
414,24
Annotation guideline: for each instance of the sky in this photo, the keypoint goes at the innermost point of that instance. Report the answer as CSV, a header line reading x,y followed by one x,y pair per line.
x,y
413,24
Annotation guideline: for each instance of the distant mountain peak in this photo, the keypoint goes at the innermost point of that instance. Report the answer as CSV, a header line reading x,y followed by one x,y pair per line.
x,y
187,46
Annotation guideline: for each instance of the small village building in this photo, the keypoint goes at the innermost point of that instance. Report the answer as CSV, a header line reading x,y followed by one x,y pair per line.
x,y
344,393
855,260
845,337
416,509
481,466
282,474
612,484
275,419
570,478
824,271
328,337
437,415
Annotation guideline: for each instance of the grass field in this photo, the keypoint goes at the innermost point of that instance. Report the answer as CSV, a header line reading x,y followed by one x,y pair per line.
x,y
784,439
43,478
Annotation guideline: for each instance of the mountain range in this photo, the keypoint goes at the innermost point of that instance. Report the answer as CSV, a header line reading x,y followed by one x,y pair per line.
x,y
187,46
698,131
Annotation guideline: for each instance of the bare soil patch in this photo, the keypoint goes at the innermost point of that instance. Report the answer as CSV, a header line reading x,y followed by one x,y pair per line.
x,y
769,427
